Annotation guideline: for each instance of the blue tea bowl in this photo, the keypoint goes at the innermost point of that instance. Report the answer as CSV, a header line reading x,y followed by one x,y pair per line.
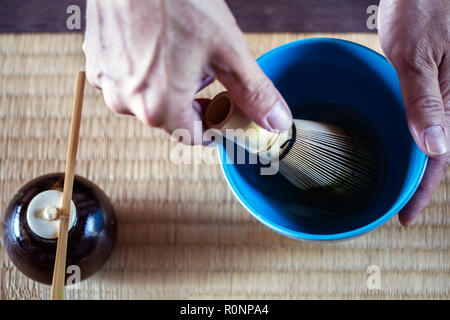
x,y
361,82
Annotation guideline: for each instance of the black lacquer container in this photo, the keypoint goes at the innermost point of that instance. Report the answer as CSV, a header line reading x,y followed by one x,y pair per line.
x,y
91,237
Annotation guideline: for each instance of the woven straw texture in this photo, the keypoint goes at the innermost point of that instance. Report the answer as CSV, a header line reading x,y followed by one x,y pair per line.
x,y
182,235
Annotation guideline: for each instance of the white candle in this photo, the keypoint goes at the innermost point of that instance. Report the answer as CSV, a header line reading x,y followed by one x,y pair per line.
x,y
43,216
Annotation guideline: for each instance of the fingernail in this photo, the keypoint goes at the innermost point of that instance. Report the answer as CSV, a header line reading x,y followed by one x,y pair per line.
x,y
436,140
278,117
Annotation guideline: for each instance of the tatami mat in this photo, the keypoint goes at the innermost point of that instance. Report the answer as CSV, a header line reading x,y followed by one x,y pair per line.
x,y
181,232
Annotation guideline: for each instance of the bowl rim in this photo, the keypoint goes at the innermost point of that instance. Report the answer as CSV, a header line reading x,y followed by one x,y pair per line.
x,y
298,235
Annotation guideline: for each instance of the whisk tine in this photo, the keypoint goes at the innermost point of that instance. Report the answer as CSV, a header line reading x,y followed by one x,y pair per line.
x,y
344,161
331,162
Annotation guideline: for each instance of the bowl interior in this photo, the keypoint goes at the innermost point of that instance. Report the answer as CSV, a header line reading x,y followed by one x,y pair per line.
x,y
363,83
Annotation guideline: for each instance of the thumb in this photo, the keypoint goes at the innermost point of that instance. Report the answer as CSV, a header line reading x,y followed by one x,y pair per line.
x,y
425,109
251,89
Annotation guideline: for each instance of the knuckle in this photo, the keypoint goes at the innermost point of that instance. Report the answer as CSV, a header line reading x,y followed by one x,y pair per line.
x,y
116,108
110,99
427,104
149,105
93,74
153,114
181,119
93,77
113,98
142,103
153,119
406,57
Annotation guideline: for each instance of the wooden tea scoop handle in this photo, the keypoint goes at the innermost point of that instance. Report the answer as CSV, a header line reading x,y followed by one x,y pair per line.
x,y
59,271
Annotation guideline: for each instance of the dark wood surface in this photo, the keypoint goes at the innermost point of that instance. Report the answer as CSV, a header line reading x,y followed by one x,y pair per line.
x,y
252,15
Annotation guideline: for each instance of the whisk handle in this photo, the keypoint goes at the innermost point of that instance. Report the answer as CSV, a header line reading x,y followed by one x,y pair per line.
x,y
223,114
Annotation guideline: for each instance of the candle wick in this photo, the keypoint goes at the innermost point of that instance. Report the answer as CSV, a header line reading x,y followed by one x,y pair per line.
x,y
50,213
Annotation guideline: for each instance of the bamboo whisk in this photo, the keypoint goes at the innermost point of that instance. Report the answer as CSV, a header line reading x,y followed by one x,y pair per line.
x,y
317,157
329,162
